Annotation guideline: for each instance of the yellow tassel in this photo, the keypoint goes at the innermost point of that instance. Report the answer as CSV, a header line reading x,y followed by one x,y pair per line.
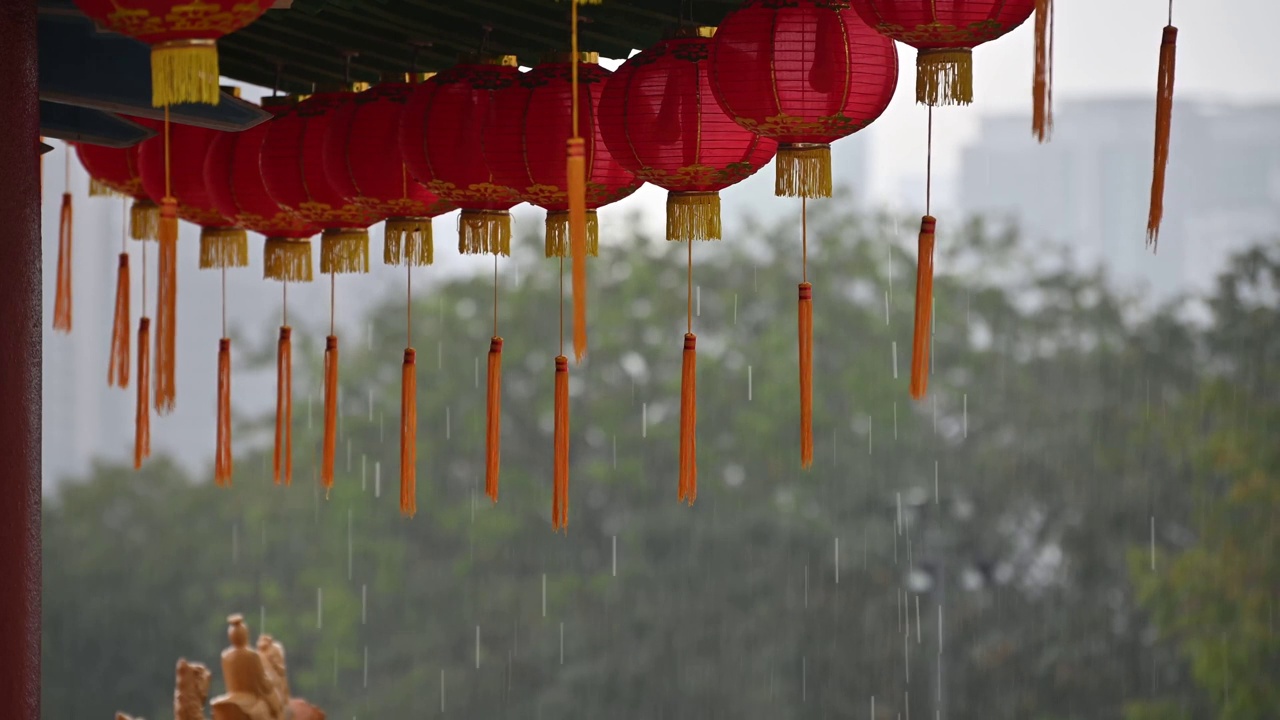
x,y
408,241
184,71
689,421
222,455
493,420
283,457
144,220
97,188
803,170
924,309
806,375
484,232
287,259
1042,81
330,412
223,247
344,251
167,308
142,416
693,216
62,300
944,77
560,480
557,243
118,370
409,435
576,169
1164,122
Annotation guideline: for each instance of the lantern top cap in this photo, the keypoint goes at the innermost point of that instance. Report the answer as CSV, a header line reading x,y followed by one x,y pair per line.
x,y
412,78
562,57
693,31
488,59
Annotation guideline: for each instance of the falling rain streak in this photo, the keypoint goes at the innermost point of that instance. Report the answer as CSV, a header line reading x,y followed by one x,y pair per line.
x,y
749,388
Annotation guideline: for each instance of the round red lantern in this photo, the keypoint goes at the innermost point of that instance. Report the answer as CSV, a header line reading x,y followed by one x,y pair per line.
x,y
945,33
806,73
182,36
114,171
659,118
233,176
525,146
442,143
362,162
292,164
221,242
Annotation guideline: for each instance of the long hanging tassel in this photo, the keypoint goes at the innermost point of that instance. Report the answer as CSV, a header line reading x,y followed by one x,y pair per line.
x,y
1042,82
62,301
493,420
560,489
283,457
409,435
142,419
330,411
118,370
1164,120
689,421
924,309
222,456
806,375
167,307
578,243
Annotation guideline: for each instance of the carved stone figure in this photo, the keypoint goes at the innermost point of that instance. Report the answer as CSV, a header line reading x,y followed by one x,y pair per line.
x,y
251,694
272,654
191,690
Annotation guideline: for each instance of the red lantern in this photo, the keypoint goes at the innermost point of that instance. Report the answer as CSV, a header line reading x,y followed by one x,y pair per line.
x,y
182,36
362,162
220,240
292,164
945,33
114,171
441,141
806,73
233,176
525,146
660,120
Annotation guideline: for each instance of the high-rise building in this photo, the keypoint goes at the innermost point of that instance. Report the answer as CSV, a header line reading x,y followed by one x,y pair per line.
x,y
1090,185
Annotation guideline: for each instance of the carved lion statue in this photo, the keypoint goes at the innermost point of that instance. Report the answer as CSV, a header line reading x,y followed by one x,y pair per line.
x,y
191,690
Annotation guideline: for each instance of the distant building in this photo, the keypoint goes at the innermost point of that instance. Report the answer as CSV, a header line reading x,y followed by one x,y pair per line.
x,y
1089,186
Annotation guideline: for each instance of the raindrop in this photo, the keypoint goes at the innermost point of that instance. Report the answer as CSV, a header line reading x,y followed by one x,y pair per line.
x,y
382,427
448,425
442,690
615,556
749,384
1153,543
918,620
439,354
262,619
366,667
309,399
370,404
806,587
804,679
319,608
899,517
562,642
735,308
895,359
544,594
477,371
615,452
935,483
335,667
364,604
348,454
364,472
350,556
886,307
906,653
697,301
644,420
235,543
837,561
868,434
377,478
477,647
939,628
966,415
895,420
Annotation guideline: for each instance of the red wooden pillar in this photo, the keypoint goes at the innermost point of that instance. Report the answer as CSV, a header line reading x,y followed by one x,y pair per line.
x,y
19,362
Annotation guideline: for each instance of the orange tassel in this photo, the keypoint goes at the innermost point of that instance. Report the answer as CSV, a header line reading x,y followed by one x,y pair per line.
x,y
578,244
284,407
806,375
689,421
62,301
560,491
1042,83
167,308
409,435
493,419
1164,120
142,421
330,411
222,456
924,309
118,370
